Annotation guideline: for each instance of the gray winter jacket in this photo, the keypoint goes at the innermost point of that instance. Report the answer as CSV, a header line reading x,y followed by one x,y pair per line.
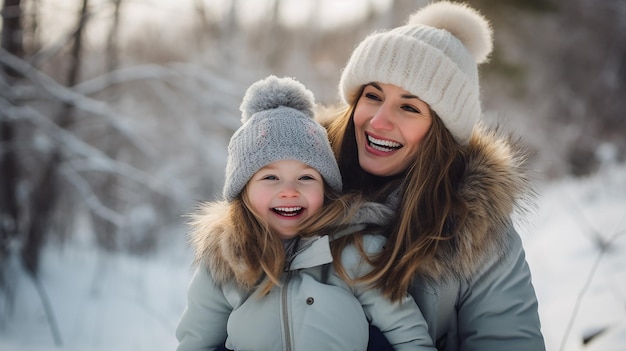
x,y
477,295
308,311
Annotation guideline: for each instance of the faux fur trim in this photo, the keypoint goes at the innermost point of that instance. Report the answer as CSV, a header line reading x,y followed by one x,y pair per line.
x,y
495,185
216,244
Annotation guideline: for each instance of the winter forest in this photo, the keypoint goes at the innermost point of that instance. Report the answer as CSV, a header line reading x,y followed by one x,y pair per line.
x,y
114,121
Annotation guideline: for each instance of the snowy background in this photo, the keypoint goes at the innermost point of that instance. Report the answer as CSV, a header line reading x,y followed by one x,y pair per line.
x,y
575,244
156,101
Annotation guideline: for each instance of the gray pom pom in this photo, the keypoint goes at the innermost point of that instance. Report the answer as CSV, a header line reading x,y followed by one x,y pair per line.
x,y
272,92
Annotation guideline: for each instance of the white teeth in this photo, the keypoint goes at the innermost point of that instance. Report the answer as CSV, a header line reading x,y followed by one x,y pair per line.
x,y
380,148
383,145
288,209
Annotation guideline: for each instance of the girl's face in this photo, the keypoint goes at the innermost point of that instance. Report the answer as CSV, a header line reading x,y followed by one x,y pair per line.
x,y
285,193
390,124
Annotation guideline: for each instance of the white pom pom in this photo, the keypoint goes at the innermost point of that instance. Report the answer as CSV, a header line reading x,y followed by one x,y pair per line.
x,y
272,92
462,21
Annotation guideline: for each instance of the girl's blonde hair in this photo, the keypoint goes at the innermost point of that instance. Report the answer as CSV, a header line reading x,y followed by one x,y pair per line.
x,y
263,252
429,208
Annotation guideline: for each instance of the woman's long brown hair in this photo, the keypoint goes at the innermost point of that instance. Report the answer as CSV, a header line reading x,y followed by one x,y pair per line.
x,y
429,207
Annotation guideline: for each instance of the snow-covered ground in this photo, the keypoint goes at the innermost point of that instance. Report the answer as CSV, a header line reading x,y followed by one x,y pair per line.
x,y
576,247
575,243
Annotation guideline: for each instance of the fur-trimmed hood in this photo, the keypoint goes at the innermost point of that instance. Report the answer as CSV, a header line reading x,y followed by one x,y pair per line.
x,y
495,185
215,241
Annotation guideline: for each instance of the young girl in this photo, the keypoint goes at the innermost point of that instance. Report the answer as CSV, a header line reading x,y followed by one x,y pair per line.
x,y
276,267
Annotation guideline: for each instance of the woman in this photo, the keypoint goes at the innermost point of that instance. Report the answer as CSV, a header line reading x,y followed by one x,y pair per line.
x,y
409,135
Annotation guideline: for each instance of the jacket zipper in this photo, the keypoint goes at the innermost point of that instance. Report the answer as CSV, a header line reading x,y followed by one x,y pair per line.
x,y
295,250
285,311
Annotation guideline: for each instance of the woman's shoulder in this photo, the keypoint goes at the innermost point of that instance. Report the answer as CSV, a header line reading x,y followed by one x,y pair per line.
x,y
495,186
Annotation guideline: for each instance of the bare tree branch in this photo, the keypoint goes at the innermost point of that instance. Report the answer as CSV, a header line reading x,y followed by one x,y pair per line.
x,y
123,75
67,95
587,284
92,200
76,146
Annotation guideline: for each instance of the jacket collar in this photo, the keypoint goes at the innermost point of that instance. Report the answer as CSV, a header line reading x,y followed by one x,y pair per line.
x,y
312,252
214,240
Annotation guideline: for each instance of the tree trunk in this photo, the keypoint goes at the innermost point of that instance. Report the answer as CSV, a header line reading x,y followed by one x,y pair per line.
x,y
33,43
9,209
72,77
45,193
12,31
42,203
112,45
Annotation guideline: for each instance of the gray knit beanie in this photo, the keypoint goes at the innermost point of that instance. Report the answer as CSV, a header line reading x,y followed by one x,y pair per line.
x,y
278,124
435,57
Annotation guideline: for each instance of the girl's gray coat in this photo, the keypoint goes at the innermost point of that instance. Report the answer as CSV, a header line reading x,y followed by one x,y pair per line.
x,y
478,294
306,312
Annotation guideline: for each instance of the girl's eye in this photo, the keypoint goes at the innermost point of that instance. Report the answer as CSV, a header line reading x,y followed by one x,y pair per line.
x,y
270,177
307,177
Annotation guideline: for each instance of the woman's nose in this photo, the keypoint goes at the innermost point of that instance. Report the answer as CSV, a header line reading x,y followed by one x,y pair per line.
x,y
381,119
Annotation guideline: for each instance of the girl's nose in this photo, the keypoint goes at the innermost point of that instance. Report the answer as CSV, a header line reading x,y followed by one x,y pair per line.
x,y
289,190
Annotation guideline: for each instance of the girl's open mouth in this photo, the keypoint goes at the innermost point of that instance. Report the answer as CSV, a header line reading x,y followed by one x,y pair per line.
x,y
288,211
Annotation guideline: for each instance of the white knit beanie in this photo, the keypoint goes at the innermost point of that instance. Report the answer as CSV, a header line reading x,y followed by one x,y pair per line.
x,y
278,124
434,57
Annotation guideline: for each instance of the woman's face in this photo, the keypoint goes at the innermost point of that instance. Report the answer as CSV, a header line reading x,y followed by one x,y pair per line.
x,y
390,124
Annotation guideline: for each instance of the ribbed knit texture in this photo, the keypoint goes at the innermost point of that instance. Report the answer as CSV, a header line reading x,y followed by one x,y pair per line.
x,y
278,124
428,62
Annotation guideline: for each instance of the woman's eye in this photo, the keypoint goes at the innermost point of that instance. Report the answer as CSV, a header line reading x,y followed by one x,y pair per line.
x,y
410,108
372,96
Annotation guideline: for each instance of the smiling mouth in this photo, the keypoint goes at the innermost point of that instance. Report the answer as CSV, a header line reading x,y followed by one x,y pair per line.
x,y
287,211
382,145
